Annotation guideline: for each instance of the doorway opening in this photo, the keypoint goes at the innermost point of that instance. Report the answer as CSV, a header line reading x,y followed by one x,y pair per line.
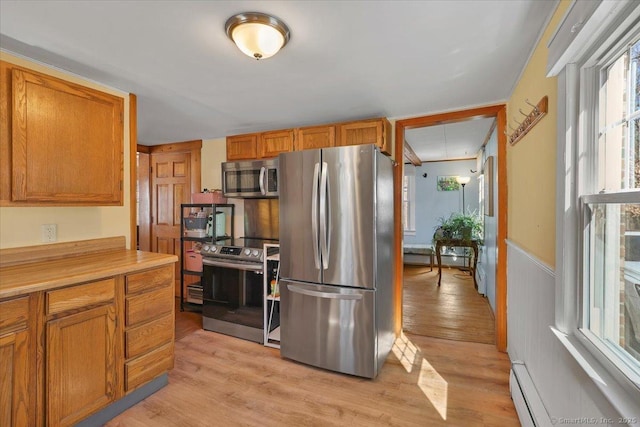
x,y
497,113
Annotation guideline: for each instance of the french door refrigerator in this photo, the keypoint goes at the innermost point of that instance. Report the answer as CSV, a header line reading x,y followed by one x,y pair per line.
x,y
337,259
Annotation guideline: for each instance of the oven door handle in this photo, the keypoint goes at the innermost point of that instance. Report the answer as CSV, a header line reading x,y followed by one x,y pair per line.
x,y
233,265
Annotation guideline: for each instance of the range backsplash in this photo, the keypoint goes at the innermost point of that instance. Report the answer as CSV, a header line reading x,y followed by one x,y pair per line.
x,y
261,218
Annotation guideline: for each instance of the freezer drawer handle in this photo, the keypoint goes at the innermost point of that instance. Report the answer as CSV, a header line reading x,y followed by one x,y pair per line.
x,y
324,294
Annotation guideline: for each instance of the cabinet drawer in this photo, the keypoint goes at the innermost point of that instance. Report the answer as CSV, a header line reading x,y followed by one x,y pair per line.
x,y
14,315
145,337
149,366
148,280
80,296
150,305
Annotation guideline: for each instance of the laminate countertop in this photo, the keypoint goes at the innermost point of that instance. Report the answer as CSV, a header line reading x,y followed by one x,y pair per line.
x,y
45,275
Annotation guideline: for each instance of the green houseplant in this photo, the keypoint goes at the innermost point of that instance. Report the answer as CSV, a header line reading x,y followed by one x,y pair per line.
x,y
465,227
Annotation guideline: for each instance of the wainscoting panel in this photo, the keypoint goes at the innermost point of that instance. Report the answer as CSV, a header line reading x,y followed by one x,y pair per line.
x,y
563,387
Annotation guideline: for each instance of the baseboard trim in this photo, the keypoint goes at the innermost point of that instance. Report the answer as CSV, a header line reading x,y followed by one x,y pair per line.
x,y
118,407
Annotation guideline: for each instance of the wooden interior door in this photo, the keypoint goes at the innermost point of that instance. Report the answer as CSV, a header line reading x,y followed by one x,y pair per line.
x,y
170,187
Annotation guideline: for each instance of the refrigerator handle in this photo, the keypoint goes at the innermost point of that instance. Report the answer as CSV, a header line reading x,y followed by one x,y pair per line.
x,y
323,217
314,215
261,180
332,295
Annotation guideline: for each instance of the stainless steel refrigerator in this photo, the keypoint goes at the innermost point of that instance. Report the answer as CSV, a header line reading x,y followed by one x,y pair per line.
x,y
337,259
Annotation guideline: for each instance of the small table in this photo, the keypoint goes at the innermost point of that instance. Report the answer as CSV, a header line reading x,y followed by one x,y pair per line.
x,y
473,244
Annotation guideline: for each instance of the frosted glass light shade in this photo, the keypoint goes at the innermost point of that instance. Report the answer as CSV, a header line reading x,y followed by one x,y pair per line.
x,y
257,35
463,179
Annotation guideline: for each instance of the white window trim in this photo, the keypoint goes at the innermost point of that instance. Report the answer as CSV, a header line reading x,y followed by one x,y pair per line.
x,y
608,20
410,229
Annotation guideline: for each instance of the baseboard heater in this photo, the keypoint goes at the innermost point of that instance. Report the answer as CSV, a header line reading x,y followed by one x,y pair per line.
x,y
526,399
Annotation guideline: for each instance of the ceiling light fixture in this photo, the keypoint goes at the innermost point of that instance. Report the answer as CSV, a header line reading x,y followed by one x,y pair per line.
x,y
256,34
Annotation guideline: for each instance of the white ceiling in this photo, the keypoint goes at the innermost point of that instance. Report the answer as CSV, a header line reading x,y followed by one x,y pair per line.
x,y
448,142
346,60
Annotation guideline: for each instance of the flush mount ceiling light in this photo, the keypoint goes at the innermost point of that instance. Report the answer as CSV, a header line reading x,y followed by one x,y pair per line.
x,y
256,34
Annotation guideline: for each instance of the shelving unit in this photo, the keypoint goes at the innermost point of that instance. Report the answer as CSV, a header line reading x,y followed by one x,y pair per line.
x,y
271,271
198,225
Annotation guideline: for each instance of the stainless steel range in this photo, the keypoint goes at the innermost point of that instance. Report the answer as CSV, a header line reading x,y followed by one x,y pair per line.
x,y
232,287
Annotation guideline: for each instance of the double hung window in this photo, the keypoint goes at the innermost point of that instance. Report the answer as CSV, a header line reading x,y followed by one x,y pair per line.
x,y
609,193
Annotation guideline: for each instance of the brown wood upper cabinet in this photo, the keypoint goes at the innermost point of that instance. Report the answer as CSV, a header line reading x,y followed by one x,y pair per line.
x,y
276,142
374,131
65,143
316,137
270,144
242,147
263,145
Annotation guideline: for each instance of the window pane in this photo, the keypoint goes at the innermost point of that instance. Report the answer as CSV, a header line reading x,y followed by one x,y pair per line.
x,y
633,162
635,73
614,271
612,159
613,100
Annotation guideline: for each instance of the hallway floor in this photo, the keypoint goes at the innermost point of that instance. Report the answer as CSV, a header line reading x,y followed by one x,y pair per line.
x,y
453,311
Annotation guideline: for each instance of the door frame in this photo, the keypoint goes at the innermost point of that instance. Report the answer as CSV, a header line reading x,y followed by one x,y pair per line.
x,y
194,148
499,112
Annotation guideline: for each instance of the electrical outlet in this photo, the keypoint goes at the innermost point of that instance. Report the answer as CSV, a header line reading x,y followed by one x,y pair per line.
x,y
49,233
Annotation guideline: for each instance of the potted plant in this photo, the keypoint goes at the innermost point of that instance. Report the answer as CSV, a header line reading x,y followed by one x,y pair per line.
x,y
465,227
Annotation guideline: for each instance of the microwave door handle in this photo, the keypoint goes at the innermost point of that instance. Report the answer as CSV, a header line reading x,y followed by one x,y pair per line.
x,y
261,179
314,215
323,217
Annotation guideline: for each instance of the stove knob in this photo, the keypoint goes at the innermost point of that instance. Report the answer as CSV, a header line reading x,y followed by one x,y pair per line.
x,y
205,248
247,252
255,252
214,248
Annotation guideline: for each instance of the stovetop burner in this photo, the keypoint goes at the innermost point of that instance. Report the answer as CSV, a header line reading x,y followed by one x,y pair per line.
x,y
241,249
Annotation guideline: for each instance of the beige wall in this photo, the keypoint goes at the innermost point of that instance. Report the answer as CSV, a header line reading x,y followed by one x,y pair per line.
x,y
531,163
214,153
21,226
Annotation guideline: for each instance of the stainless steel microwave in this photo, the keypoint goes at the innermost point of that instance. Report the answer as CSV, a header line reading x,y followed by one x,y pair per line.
x,y
250,179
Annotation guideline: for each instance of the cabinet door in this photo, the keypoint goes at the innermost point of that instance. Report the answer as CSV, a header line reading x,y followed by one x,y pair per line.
x,y
377,131
274,143
66,143
242,147
16,367
316,137
81,364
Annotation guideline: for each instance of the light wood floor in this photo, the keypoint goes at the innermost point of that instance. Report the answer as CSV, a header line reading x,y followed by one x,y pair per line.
x,y
223,381
454,311
186,322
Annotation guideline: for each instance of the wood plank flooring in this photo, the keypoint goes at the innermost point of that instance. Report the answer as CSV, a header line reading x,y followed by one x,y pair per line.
x,y
453,311
223,381
426,381
186,321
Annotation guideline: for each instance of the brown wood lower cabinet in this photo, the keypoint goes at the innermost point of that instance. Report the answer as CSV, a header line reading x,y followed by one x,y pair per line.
x,y
17,402
81,364
67,353
149,326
